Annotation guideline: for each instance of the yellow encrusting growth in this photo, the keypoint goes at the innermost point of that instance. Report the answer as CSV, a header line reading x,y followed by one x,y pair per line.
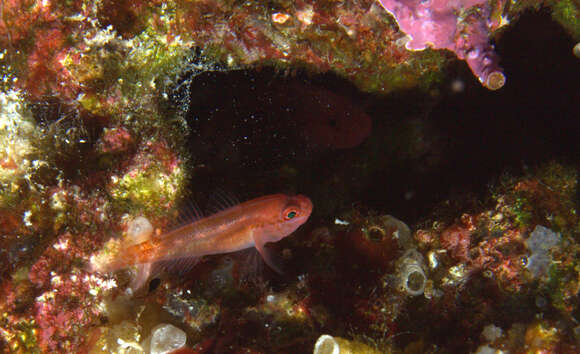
x,y
17,133
148,188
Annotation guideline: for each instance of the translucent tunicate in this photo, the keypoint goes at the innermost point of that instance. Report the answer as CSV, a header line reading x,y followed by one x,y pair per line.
x,y
327,344
486,349
402,232
166,338
415,280
495,80
411,274
492,332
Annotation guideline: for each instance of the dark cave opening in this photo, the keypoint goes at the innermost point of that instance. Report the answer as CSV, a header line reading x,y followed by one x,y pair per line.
x,y
251,130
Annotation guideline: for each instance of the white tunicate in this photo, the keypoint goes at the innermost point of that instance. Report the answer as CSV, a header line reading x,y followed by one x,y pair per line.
x,y
486,349
326,345
139,229
539,264
542,239
539,244
166,338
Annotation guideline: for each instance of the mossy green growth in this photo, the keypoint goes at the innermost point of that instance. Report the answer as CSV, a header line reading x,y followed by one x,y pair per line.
x,y
521,210
567,13
423,69
430,68
150,70
560,179
128,77
563,285
547,196
24,338
150,191
153,63
562,182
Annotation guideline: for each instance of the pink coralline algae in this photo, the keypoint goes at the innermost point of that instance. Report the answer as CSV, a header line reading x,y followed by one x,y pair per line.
x,y
442,24
457,239
115,140
36,36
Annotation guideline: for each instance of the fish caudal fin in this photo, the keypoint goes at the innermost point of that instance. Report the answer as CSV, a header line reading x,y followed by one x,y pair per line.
x,y
107,260
121,253
114,257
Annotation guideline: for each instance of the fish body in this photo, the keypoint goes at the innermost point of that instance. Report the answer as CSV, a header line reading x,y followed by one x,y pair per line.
x,y
249,224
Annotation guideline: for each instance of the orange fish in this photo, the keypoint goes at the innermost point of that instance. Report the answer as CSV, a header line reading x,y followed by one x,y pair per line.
x,y
249,224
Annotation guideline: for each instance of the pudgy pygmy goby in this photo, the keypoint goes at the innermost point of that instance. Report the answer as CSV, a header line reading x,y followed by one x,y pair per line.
x,y
249,224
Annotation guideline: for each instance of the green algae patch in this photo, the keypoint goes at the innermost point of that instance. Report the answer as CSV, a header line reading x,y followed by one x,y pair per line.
x,y
23,338
152,189
152,62
567,13
547,197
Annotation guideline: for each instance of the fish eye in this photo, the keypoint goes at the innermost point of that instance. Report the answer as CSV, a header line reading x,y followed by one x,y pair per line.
x,y
290,214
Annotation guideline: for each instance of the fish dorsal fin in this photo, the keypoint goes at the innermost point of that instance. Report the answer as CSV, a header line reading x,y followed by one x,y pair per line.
x,y
188,213
221,200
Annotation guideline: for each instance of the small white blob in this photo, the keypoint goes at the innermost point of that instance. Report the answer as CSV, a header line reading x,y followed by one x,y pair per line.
x,y
139,229
326,345
166,338
492,332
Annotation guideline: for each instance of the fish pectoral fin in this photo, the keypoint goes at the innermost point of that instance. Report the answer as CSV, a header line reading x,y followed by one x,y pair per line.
x,y
142,273
268,256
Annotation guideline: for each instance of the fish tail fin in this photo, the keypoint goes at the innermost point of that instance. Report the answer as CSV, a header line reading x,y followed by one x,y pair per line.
x,y
111,260
107,260
114,256
121,253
